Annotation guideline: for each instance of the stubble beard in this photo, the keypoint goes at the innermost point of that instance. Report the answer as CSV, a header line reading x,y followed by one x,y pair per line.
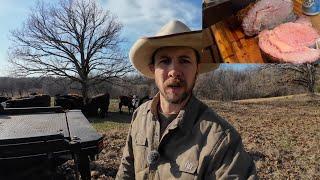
x,y
181,98
177,100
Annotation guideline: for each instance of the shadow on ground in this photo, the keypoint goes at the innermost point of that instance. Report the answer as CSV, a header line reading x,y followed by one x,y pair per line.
x,y
113,117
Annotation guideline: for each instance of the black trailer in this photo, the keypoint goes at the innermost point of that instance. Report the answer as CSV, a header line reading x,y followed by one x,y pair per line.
x,y
33,138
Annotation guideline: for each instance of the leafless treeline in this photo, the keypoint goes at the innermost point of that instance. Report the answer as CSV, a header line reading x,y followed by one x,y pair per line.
x,y
222,84
19,87
268,80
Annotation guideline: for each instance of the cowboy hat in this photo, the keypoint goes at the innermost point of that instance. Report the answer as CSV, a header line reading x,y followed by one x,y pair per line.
x,y
175,33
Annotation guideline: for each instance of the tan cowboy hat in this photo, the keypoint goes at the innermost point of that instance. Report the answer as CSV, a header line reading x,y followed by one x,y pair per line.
x,y
175,33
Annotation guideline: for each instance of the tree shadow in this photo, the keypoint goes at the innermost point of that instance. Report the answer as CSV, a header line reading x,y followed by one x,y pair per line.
x,y
113,117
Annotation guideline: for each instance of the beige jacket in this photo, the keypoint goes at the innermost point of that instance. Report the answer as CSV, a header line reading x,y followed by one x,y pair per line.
x,y
198,144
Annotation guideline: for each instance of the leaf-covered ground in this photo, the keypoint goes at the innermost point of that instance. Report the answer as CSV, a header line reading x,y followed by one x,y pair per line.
x,y
281,134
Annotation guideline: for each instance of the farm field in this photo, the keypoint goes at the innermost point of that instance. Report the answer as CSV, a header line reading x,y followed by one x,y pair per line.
x,y
282,134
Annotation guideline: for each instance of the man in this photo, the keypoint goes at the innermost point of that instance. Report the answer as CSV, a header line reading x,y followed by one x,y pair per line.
x,y
2,108
176,136
135,101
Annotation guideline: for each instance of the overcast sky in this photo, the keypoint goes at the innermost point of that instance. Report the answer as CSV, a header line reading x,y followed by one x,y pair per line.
x,y
139,18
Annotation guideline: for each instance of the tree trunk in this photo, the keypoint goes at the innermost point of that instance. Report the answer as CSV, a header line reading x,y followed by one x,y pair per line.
x,y
84,91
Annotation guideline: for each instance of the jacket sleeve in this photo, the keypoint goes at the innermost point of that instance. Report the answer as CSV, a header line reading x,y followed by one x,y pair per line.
x,y
126,168
230,160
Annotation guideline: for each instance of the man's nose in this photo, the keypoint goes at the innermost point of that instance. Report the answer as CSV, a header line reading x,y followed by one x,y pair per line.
x,y
175,70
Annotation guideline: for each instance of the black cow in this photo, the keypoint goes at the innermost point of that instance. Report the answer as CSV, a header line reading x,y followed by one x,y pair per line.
x,y
126,101
131,102
32,101
69,101
98,105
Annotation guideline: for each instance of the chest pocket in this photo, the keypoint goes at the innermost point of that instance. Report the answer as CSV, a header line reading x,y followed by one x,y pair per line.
x,y
140,140
187,167
140,149
183,155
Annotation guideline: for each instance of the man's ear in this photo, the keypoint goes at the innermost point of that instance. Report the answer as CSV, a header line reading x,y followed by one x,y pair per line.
x,y
197,72
198,66
151,67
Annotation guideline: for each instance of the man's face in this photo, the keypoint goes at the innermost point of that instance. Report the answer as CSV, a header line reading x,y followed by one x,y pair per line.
x,y
175,72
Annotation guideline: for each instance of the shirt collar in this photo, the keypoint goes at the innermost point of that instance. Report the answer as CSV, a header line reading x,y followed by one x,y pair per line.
x,y
186,117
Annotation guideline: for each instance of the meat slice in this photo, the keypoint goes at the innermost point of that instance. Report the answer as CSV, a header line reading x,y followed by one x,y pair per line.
x,y
296,34
290,42
267,14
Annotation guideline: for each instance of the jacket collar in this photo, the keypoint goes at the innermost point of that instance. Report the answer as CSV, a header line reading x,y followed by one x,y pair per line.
x,y
186,117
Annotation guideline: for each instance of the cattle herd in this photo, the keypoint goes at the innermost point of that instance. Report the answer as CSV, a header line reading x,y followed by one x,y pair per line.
x,y
95,106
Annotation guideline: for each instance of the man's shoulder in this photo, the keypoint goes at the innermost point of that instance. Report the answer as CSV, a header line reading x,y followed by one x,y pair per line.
x,y
210,119
144,106
142,110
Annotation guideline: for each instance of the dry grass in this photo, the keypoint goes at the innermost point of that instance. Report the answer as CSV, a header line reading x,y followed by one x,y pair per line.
x,y
114,121
282,134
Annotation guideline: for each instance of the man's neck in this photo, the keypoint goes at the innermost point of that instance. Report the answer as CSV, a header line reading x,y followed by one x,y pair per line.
x,y
171,108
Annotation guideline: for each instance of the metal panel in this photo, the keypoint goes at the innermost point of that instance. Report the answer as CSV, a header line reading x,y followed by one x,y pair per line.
x,y
81,128
32,125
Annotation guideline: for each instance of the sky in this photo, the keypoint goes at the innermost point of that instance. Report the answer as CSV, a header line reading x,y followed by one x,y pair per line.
x,y
138,17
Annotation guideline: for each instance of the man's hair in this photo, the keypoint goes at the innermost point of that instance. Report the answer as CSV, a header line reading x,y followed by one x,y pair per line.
x,y
154,54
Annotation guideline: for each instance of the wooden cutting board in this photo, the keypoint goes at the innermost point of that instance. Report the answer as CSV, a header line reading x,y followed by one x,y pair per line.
x,y
234,47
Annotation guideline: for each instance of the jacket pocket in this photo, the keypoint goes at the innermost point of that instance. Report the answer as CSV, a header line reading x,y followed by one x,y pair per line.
x,y
188,166
187,169
140,140
140,148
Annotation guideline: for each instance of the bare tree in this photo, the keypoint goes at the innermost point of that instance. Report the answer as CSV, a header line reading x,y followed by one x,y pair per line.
x,y
75,39
301,74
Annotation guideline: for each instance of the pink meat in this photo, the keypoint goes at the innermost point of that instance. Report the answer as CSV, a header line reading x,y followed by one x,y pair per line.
x,y
267,14
290,42
296,34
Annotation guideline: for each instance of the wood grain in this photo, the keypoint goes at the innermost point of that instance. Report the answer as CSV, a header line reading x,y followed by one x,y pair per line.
x,y
235,47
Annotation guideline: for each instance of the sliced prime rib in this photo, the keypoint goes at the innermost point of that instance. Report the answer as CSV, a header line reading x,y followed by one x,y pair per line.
x,y
290,42
266,14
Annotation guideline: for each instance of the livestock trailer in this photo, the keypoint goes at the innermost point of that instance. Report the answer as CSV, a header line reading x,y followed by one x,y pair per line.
x,y
44,138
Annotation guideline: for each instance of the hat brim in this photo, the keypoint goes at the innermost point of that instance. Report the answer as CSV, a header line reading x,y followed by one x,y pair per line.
x,y
142,51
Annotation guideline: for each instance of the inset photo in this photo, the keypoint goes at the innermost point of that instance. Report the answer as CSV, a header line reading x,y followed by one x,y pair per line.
x,y
262,31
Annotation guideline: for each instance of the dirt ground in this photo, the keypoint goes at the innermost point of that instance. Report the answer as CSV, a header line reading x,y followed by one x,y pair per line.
x,y
281,134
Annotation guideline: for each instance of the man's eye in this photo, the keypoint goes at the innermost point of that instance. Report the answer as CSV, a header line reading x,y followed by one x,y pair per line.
x,y
185,61
165,61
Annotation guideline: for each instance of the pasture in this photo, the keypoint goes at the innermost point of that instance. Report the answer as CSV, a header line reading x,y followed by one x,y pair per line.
x,y
282,135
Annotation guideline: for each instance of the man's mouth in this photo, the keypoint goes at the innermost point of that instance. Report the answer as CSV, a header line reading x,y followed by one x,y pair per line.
x,y
175,85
